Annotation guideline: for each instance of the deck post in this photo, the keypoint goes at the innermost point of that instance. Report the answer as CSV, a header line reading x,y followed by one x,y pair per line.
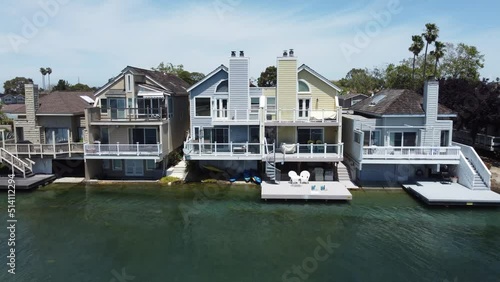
x,y
246,147
29,151
298,150
99,148
324,145
159,148
215,151
3,138
117,148
54,143
231,148
137,148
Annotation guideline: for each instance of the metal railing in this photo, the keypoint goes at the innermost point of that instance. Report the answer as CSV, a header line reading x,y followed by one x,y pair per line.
x,y
312,150
106,150
471,154
294,115
128,114
222,149
376,152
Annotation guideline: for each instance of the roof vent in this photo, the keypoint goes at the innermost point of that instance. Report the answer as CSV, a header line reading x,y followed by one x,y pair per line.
x,y
242,54
291,53
233,53
285,53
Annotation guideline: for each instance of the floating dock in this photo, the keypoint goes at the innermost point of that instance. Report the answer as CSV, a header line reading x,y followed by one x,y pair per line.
x,y
287,191
449,194
28,183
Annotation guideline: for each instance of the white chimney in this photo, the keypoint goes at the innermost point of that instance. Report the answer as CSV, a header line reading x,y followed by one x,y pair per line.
x,y
431,100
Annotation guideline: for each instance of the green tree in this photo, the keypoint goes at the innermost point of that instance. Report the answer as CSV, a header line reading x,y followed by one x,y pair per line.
x,y
430,35
438,53
16,85
363,81
268,77
62,85
178,70
463,61
416,47
400,76
80,87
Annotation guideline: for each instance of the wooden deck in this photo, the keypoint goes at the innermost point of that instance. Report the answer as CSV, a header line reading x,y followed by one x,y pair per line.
x,y
436,193
28,183
286,191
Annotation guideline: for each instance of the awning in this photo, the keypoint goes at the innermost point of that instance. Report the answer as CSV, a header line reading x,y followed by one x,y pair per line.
x,y
150,94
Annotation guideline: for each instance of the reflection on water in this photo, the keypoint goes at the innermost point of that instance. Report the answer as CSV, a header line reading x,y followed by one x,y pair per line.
x,y
212,233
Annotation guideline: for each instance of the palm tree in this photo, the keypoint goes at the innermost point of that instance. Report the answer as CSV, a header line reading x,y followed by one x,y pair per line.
x,y
430,35
438,53
49,71
416,47
43,72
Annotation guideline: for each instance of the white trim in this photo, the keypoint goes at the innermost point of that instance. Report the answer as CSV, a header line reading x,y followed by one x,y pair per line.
x,y
221,67
306,83
107,85
217,86
210,111
319,76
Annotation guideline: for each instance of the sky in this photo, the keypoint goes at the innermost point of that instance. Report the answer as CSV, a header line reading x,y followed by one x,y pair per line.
x,y
92,41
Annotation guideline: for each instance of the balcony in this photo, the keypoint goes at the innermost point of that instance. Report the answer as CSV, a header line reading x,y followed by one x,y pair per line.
x,y
123,151
293,117
232,117
195,150
375,154
309,152
483,141
34,150
99,115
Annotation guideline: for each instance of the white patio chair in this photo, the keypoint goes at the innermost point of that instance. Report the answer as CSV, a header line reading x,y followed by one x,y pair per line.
x,y
304,176
294,177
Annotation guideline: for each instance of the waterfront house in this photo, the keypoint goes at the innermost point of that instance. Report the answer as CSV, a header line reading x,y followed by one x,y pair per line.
x,y
401,136
48,131
295,125
138,118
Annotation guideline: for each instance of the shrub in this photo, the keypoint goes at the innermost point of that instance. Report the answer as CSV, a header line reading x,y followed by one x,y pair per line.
x,y
169,179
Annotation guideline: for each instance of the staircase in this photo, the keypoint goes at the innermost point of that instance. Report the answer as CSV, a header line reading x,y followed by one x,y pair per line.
x,y
26,168
343,173
479,183
272,172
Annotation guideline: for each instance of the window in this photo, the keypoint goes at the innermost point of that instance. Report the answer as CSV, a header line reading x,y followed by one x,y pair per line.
x,y
128,83
371,138
80,134
149,106
223,87
170,105
143,136
254,133
357,137
150,165
304,135
105,164
196,133
221,135
60,135
271,108
202,107
304,107
117,165
104,105
221,108
405,139
303,87
445,138
254,108
104,135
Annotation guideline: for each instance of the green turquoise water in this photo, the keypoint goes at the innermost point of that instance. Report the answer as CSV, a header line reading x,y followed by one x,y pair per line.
x,y
211,233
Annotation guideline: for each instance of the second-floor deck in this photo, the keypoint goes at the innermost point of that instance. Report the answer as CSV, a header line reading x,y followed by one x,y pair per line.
x,y
123,151
277,117
389,154
40,150
122,115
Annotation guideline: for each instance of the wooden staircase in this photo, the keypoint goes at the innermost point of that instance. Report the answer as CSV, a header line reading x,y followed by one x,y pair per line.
x,y
23,167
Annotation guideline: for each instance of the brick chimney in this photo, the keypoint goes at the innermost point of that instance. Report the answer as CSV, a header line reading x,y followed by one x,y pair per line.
x,y
31,130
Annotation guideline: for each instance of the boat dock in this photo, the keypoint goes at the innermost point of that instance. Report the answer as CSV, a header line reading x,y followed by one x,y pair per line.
x,y
28,183
448,194
286,191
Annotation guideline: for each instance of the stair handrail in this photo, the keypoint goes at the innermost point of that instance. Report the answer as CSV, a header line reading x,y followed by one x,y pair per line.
x,y
20,165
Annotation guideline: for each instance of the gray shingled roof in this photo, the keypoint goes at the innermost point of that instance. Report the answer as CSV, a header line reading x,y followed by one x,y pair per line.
x,y
169,81
57,103
351,95
395,102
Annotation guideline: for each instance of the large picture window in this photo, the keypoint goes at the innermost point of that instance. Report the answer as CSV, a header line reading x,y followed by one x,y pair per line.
x,y
60,135
304,135
202,107
405,139
371,138
144,136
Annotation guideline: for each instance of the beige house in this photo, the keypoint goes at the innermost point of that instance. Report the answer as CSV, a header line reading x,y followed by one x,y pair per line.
x,y
137,119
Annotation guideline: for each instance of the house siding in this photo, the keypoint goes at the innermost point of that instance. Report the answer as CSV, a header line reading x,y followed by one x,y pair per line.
x,y
118,135
206,89
238,87
323,96
287,86
287,135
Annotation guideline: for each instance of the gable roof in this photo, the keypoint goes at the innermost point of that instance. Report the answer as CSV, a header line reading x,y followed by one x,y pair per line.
x,y
169,83
396,102
55,103
319,76
208,76
351,95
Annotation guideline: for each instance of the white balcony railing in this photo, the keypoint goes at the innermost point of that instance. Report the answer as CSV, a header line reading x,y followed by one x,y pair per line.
x,y
312,150
105,150
431,153
294,115
234,116
195,148
43,149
